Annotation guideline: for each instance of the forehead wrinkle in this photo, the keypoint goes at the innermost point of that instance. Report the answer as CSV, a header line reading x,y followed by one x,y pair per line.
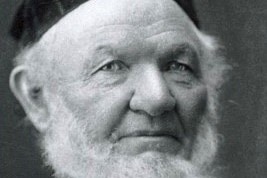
x,y
107,28
158,34
164,25
173,21
144,31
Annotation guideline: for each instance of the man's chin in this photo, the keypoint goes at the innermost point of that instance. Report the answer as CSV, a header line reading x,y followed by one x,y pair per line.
x,y
150,164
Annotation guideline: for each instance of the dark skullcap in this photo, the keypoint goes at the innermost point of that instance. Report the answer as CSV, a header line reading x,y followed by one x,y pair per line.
x,y
35,17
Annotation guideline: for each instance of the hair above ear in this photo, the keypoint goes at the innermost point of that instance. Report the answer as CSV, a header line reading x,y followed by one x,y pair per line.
x,y
30,97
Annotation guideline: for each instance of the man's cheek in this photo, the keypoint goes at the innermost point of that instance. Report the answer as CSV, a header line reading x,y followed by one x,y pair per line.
x,y
100,110
191,106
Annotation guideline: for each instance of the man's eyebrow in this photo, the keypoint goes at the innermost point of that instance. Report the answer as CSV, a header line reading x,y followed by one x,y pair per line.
x,y
184,52
99,54
180,49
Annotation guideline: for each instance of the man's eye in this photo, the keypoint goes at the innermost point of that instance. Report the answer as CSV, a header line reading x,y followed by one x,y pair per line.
x,y
113,66
177,66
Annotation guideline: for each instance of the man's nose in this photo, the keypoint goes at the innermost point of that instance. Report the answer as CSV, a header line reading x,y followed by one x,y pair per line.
x,y
151,93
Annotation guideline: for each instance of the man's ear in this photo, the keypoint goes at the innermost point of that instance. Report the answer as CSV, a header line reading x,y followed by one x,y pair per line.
x,y
30,96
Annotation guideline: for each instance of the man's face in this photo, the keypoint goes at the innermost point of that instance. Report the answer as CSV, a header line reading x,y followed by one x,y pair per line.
x,y
126,90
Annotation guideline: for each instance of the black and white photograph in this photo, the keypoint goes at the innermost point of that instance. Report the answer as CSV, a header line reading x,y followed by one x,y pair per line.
x,y
133,89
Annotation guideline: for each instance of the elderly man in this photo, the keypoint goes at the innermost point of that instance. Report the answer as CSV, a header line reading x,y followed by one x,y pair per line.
x,y
119,88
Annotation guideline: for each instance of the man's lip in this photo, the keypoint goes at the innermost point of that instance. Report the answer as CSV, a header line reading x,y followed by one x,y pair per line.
x,y
147,133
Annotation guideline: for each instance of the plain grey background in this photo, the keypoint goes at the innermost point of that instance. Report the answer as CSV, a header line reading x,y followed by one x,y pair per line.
x,y
241,25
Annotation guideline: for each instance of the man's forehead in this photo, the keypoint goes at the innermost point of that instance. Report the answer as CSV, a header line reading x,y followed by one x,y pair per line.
x,y
35,17
138,12
95,14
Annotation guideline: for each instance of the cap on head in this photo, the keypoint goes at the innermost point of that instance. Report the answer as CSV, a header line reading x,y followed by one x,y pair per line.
x,y
35,17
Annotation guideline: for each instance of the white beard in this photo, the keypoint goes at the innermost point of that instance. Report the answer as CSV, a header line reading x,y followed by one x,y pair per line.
x,y
70,151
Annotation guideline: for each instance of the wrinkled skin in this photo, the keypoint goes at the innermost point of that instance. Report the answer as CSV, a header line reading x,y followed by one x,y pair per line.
x,y
125,88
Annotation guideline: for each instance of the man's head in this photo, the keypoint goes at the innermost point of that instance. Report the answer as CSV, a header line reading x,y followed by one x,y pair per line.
x,y
119,90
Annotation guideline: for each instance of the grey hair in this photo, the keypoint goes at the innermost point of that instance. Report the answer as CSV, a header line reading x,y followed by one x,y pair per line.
x,y
216,70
